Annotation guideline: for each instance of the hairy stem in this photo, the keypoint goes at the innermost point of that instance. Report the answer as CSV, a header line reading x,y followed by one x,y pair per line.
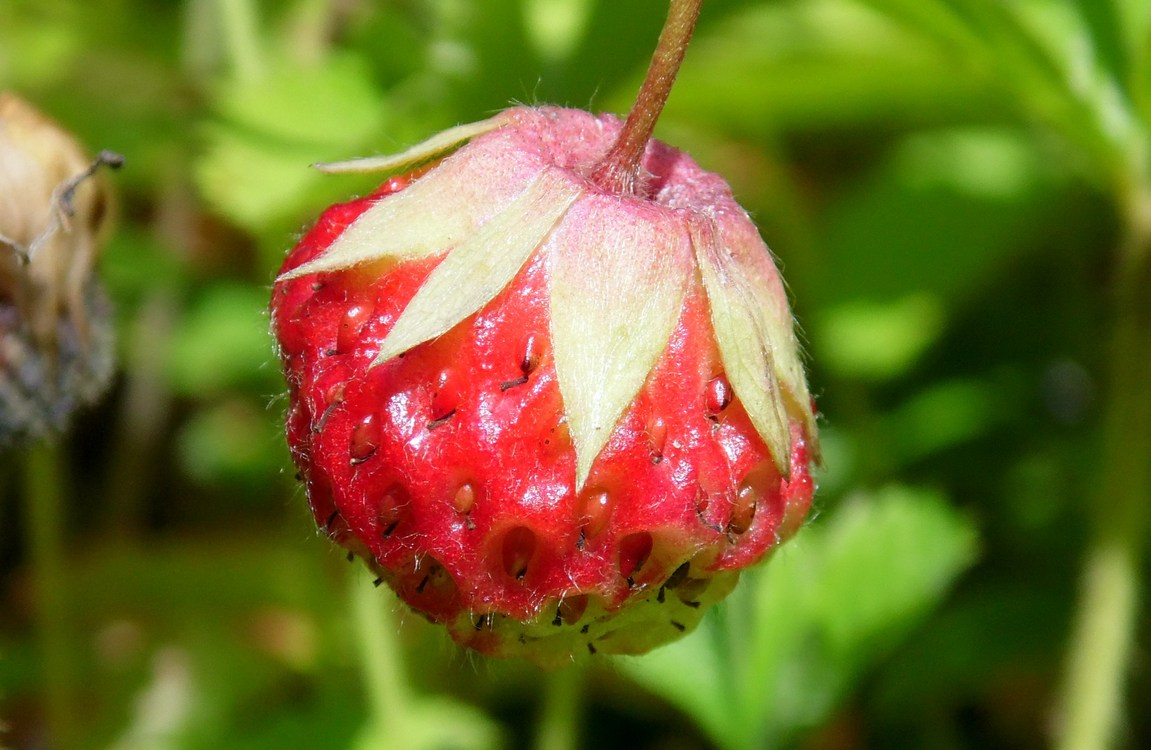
x,y
619,172
1102,640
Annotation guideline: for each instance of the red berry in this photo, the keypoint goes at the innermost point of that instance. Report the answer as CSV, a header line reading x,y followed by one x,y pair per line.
x,y
554,419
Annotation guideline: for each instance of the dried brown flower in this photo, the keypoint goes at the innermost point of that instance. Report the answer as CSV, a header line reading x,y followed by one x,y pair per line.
x,y
55,327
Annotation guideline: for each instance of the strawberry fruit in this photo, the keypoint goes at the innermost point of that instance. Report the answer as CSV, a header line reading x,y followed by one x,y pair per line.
x,y
557,417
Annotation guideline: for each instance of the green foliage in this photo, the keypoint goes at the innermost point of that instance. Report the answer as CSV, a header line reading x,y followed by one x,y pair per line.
x,y
946,184
800,631
270,124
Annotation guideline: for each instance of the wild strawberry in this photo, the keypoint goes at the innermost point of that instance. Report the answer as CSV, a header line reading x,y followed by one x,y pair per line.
x,y
555,418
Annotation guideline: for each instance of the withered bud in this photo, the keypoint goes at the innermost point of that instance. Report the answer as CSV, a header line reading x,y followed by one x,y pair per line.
x,y
55,327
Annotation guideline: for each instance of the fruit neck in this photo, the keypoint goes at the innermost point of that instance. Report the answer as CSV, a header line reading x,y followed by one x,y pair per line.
x,y
620,172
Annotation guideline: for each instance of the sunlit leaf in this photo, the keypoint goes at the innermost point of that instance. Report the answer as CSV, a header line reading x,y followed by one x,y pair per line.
x,y
270,128
222,343
791,66
878,340
941,216
943,416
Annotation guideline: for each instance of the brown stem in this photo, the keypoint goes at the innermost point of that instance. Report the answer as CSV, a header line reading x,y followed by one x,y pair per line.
x,y
619,172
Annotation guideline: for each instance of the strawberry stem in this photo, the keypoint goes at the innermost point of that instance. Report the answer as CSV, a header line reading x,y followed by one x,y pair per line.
x,y
619,172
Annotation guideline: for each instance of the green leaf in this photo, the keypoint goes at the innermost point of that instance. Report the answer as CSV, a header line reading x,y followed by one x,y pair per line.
x,y
555,27
817,65
222,343
482,53
878,340
989,636
798,633
943,415
270,129
1056,62
232,444
940,216
438,723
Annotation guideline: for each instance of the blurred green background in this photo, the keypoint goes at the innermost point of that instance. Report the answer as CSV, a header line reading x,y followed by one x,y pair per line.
x,y
949,186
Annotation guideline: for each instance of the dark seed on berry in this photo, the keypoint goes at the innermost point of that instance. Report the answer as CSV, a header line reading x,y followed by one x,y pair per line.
x,y
761,485
691,589
678,626
441,421
447,396
377,582
391,507
351,325
657,436
591,649
584,629
318,427
423,584
531,358
509,384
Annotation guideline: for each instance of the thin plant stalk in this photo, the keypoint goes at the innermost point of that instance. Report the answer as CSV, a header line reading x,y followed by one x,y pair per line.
x,y
1103,637
558,727
44,493
239,25
381,658
620,170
